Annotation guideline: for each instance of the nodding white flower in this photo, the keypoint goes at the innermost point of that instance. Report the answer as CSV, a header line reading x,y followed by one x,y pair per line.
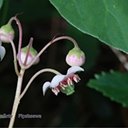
x,y
63,83
2,52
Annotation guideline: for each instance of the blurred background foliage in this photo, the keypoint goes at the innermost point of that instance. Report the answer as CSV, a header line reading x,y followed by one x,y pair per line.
x,y
86,107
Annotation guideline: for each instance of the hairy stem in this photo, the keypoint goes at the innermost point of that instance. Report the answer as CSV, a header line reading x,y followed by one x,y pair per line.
x,y
34,76
17,98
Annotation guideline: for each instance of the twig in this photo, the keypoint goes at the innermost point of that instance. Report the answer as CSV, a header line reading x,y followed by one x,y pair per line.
x,y
50,43
35,75
15,58
17,99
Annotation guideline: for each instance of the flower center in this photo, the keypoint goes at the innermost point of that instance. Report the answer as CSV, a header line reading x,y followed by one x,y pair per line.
x,y
67,82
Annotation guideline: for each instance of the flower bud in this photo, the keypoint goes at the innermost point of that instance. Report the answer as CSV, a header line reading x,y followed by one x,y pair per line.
x,y
75,57
6,33
28,56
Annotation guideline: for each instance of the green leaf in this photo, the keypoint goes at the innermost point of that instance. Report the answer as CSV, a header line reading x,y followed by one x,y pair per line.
x,y
106,20
113,85
1,3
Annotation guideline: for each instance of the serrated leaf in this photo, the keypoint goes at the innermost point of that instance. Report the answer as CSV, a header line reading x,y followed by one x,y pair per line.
x,y
106,20
113,85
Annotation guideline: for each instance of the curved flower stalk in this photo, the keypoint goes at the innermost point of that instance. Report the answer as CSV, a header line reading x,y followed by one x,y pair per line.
x,y
64,83
28,56
28,53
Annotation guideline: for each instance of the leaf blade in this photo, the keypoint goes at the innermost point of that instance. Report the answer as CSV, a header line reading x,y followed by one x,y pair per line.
x,y
113,85
106,20
1,3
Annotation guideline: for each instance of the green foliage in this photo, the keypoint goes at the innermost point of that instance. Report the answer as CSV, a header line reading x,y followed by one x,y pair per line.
x,y
113,85
1,8
1,3
106,20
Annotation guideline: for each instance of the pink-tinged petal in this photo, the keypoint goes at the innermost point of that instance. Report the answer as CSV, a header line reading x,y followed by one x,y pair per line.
x,y
55,91
56,80
75,57
75,61
2,52
46,85
76,78
69,81
74,69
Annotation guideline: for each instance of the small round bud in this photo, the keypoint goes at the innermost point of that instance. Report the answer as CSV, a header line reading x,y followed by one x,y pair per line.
x,y
6,33
75,57
27,57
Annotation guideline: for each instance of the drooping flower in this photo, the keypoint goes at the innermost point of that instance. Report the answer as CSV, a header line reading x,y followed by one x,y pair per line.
x,y
29,54
2,52
75,57
64,83
6,33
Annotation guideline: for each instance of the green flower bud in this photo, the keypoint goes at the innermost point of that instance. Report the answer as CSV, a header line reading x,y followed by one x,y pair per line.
x,y
6,33
75,57
31,55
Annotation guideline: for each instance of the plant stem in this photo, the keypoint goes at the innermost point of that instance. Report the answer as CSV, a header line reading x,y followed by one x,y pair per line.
x,y
20,38
20,31
50,43
14,55
35,75
15,58
17,99
28,50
